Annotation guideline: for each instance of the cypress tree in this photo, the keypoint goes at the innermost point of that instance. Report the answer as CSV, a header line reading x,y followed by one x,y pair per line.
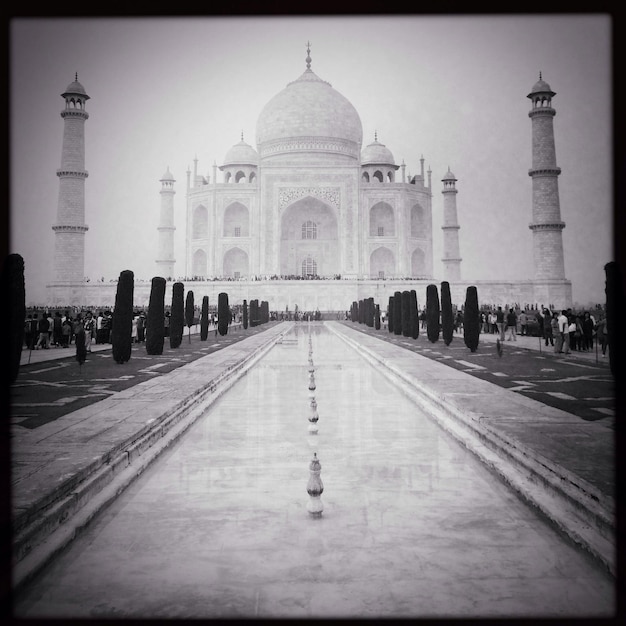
x,y
415,320
122,329
447,317
390,315
245,314
13,288
377,317
432,313
155,324
405,313
204,319
189,310
177,317
265,312
254,315
397,313
371,313
471,319
223,313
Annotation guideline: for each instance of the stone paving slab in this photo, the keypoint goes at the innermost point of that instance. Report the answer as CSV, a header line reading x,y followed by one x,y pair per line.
x,y
574,488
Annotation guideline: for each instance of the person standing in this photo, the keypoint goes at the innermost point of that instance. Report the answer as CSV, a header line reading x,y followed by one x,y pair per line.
x,y
66,331
602,336
56,329
511,325
588,327
28,338
522,322
564,333
99,327
556,334
89,326
500,322
43,328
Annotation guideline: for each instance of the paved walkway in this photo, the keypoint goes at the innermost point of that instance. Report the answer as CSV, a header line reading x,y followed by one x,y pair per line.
x,y
72,467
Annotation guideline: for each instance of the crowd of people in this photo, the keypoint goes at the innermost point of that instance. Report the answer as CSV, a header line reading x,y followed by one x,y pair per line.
x,y
564,330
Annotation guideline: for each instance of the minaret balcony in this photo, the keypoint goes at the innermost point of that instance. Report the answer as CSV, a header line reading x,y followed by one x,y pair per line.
x,y
545,171
67,173
70,228
547,226
541,111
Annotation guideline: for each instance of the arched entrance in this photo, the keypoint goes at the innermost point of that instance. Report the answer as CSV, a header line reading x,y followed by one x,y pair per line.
x,y
309,230
199,263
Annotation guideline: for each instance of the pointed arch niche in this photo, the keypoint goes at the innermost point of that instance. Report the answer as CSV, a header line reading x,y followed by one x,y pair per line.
x,y
382,263
236,220
418,221
308,228
382,221
418,263
198,264
235,263
200,222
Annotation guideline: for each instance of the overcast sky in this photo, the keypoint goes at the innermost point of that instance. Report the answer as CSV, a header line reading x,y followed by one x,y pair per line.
x,y
165,90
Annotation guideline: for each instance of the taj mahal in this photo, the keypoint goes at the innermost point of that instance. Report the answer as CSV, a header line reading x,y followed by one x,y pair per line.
x,y
312,217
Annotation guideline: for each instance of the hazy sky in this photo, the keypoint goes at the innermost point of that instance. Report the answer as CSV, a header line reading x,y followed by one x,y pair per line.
x,y
165,90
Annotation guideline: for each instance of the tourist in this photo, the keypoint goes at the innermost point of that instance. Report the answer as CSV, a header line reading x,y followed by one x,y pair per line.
x,y
588,326
602,334
493,322
166,324
564,332
50,327
56,329
89,326
522,322
134,330
556,333
28,338
99,322
66,331
500,322
548,330
141,328
511,325
44,337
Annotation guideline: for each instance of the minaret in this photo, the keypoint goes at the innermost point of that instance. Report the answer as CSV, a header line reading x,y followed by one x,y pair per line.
x,y
165,259
451,254
70,227
546,224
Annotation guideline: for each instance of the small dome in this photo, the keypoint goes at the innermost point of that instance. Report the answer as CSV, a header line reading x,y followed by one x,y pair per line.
x,y
541,87
168,176
376,154
449,175
241,154
75,88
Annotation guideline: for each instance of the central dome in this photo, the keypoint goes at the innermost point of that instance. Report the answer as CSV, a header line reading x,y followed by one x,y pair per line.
x,y
309,115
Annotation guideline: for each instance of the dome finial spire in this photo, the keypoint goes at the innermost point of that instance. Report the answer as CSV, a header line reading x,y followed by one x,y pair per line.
x,y
375,135
308,55
242,135
76,77
540,75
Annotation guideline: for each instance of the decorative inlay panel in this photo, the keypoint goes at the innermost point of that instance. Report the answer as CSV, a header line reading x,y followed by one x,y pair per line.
x,y
288,195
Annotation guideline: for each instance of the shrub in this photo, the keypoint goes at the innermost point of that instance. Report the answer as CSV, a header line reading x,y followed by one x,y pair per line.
x,y
189,311
223,313
377,318
245,314
390,315
155,323
471,319
13,289
254,312
447,317
415,320
122,323
204,319
397,313
265,312
432,313
177,317
371,312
